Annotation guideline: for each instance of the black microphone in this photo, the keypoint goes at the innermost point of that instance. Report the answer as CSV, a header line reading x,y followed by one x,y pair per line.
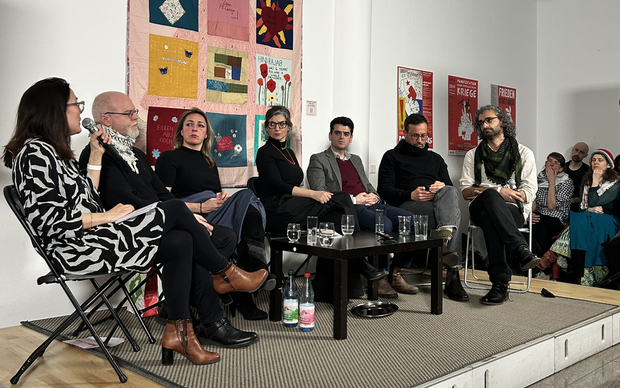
x,y
91,127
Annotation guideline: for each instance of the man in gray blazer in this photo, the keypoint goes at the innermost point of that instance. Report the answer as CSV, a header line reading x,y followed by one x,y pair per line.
x,y
335,169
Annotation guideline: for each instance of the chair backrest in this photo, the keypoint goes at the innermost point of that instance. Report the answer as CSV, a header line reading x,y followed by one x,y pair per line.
x,y
12,198
252,184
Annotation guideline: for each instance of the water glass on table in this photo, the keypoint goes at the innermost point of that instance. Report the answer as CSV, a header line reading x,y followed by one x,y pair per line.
x,y
313,229
379,221
293,232
404,225
421,226
348,224
326,234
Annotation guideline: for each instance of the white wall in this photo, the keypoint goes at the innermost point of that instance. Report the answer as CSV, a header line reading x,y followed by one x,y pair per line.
x,y
578,75
351,51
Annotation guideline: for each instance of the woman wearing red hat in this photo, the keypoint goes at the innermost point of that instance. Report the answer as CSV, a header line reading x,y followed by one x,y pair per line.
x,y
596,222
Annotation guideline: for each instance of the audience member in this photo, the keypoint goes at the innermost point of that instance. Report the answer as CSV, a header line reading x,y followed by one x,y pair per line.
x,y
499,178
62,205
278,187
576,169
191,174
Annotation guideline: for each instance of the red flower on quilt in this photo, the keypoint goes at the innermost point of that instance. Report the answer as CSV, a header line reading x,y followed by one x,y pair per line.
x,y
271,85
260,81
264,70
287,77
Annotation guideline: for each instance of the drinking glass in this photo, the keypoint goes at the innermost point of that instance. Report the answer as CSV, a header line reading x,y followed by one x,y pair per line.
x,y
348,224
293,232
326,234
379,221
421,226
404,225
313,229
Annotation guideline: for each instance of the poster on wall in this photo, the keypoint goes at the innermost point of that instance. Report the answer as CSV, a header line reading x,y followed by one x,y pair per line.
x,y
415,95
462,106
506,98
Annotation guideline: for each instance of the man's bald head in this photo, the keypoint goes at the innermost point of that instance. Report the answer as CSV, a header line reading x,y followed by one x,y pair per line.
x,y
116,110
579,152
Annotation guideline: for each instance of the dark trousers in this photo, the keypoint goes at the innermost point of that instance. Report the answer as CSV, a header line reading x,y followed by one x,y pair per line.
x,y
544,233
499,222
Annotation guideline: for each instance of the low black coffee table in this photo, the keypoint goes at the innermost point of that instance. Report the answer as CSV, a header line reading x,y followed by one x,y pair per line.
x,y
356,247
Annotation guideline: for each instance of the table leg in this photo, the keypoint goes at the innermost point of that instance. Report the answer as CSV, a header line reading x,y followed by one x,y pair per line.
x,y
275,295
340,299
436,291
373,285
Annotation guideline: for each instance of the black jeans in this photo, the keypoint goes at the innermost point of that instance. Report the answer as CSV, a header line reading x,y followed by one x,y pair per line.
x,y
500,223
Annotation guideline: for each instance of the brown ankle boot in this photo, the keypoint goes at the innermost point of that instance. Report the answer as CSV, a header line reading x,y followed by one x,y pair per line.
x,y
400,285
385,290
453,288
179,337
233,278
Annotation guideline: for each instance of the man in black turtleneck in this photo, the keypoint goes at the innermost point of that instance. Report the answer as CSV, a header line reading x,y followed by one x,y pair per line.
x,y
416,179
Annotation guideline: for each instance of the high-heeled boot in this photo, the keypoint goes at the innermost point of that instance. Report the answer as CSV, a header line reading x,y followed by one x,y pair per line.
x,y
233,278
179,337
453,288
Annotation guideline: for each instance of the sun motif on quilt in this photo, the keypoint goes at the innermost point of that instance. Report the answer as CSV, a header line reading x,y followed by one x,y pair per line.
x,y
272,21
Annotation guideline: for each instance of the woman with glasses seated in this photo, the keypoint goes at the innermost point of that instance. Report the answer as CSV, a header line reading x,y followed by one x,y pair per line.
x,y
191,174
62,205
555,189
278,187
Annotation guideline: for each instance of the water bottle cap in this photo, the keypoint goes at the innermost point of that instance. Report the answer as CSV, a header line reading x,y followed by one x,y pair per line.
x,y
307,274
290,272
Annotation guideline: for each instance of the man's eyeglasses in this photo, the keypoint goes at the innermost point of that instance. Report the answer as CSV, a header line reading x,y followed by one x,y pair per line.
x,y
421,136
79,104
273,124
487,120
129,114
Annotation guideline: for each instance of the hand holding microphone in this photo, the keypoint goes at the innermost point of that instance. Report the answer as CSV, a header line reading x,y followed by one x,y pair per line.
x,y
91,127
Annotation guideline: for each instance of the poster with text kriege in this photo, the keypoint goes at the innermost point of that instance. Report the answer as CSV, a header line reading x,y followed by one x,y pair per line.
x,y
462,106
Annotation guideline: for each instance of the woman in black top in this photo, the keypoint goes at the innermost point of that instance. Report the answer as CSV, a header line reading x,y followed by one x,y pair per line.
x,y
278,187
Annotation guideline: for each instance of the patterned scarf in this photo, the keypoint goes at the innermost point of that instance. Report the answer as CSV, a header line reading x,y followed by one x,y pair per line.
x,y
499,165
601,189
543,181
124,145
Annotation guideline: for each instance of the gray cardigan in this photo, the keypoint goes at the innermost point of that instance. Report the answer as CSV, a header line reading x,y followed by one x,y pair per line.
x,y
324,174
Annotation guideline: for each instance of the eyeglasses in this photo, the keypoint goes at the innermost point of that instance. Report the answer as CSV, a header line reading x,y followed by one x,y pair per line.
x,y
487,120
273,124
339,133
421,136
79,104
129,114
552,161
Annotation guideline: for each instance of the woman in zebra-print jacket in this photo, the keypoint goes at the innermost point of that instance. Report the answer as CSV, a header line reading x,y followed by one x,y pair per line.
x,y
62,205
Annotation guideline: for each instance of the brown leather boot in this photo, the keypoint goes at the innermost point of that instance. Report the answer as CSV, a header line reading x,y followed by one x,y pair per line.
x,y
400,285
233,278
385,290
179,337
453,288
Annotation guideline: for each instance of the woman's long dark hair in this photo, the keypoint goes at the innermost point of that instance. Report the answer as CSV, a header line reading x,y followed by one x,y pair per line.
x,y
207,143
42,114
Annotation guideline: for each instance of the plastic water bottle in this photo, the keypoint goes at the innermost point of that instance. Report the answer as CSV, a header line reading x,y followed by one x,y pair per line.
x,y
291,301
306,305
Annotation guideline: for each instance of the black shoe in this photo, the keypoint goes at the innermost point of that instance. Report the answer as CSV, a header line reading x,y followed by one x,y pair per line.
x,y
453,288
525,258
270,283
249,311
222,333
497,295
372,273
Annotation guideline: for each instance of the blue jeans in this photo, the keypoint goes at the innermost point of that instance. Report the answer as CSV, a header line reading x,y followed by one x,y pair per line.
x,y
366,216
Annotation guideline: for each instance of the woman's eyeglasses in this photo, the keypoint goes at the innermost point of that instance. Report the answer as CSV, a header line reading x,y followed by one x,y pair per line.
x,y
79,104
273,124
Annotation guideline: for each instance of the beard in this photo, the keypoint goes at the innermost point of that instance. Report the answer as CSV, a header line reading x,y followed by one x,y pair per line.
x,y
575,158
133,132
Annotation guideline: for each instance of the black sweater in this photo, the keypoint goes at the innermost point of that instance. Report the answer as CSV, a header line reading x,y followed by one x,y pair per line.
x,y
187,172
405,168
276,175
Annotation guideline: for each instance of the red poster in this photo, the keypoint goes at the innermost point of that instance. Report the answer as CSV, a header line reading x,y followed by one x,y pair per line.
x,y
415,95
462,106
160,127
506,98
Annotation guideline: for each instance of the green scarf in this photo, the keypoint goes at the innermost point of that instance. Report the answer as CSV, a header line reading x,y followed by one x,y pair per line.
x,y
499,165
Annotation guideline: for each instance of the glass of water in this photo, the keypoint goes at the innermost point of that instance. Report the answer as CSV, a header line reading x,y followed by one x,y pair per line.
x,y
313,229
379,221
326,234
293,232
348,224
404,225
421,226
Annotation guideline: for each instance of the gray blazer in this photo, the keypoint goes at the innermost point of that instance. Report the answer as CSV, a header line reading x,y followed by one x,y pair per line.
x,y
324,174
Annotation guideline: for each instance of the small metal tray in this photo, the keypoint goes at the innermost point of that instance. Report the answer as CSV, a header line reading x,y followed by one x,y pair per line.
x,y
374,309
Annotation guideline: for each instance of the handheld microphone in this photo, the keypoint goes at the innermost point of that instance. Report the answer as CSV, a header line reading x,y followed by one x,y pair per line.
x,y
91,127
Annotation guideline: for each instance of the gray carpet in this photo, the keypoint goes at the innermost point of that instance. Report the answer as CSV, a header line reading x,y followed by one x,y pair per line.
x,y
406,349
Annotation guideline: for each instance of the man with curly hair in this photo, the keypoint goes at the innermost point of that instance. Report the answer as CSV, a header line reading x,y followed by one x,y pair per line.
x,y
499,178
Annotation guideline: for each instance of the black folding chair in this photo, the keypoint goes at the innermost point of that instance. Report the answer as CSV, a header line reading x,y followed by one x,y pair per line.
x,y
55,276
